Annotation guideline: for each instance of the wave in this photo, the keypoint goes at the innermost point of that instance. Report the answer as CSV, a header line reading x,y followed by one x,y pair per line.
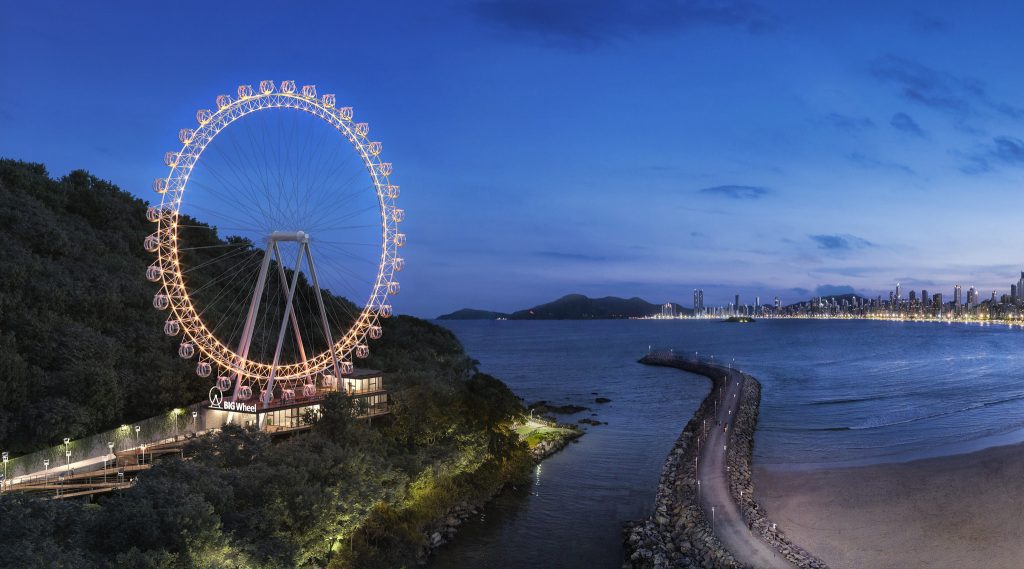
x,y
891,421
850,400
894,419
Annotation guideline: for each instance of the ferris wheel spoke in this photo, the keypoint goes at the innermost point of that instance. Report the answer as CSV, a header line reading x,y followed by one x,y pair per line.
x,y
214,260
232,272
236,204
219,213
329,214
326,166
340,272
262,169
317,191
248,187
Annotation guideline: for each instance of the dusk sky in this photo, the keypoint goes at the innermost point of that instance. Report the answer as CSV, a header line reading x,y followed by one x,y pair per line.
x,y
608,148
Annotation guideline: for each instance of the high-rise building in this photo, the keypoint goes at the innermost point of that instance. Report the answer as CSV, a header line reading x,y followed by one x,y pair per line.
x,y
698,301
972,297
898,297
937,303
778,303
912,297
1013,293
736,306
1020,286
924,297
957,296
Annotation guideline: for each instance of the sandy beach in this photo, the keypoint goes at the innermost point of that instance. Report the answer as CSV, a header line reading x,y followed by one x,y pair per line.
x,y
950,512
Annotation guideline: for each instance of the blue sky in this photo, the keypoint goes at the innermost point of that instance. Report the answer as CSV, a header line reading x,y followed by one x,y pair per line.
x,y
607,148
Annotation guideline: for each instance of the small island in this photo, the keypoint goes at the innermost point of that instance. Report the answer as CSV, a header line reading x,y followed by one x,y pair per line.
x,y
743,319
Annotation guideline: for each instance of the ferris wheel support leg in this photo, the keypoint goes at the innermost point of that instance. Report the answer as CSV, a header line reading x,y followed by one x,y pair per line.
x,y
294,319
250,319
323,312
284,327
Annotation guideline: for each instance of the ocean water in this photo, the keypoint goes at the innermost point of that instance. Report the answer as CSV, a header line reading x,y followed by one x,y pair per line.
x,y
835,393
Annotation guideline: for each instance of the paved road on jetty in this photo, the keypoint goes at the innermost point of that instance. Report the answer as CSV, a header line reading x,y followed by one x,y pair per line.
x,y
730,528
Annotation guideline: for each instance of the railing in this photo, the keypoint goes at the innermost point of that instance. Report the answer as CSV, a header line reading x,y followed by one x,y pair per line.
x,y
169,426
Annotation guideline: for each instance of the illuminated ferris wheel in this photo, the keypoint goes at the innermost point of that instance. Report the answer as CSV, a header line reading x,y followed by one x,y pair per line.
x,y
276,242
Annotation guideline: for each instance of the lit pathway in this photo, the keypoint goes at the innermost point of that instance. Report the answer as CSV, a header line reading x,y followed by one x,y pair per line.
x,y
732,531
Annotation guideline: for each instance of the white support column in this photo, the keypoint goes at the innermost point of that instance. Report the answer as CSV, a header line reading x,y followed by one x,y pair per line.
x,y
323,313
250,319
284,323
284,290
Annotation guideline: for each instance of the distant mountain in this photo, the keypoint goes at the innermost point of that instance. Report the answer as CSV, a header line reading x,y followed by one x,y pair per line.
x,y
573,307
473,314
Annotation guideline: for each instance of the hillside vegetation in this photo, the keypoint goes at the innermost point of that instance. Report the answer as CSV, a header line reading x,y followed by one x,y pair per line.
x,y
81,349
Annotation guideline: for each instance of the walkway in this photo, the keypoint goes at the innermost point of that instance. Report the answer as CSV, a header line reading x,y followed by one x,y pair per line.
x,y
732,531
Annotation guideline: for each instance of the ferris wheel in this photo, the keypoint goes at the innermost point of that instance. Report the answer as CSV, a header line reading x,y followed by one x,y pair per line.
x,y
276,242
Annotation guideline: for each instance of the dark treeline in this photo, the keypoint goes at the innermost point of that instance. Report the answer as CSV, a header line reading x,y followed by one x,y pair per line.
x,y
82,349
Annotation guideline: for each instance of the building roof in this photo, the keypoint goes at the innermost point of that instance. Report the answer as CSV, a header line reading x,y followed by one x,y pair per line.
x,y
361,373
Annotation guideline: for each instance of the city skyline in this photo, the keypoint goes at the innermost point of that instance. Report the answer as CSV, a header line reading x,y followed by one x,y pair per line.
x,y
975,296
615,150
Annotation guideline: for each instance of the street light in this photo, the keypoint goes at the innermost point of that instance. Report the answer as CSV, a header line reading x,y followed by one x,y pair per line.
x,y
4,457
195,416
698,493
67,453
110,446
712,518
46,470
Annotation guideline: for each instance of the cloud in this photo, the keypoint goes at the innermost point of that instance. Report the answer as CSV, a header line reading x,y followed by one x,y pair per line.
x,y
833,290
935,89
840,242
868,162
737,192
1005,150
846,122
586,24
903,122
564,256
929,23
799,292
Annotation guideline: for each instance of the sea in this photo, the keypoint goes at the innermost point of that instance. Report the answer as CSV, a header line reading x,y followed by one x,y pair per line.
x,y
834,393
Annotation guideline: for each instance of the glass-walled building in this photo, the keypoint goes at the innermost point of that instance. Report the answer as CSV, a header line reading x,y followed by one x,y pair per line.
x,y
298,411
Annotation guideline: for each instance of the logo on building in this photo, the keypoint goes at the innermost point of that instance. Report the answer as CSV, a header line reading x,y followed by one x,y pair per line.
x,y
216,397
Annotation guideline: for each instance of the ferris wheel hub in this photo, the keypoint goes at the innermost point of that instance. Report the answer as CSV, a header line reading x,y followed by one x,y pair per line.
x,y
300,236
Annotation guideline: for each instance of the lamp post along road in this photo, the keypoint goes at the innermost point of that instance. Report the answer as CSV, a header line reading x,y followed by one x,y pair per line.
x,y
713,481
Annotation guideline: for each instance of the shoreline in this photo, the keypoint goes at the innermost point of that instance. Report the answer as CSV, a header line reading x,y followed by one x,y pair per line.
x,y
444,528
958,510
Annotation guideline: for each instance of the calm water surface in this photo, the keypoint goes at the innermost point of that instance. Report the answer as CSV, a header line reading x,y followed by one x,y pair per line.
x,y
835,393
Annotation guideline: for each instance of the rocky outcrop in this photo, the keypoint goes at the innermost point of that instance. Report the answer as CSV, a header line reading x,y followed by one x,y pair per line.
x,y
443,529
741,486
678,534
549,447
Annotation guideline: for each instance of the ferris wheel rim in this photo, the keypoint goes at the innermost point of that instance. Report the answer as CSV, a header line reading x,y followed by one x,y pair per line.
x,y
173,187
